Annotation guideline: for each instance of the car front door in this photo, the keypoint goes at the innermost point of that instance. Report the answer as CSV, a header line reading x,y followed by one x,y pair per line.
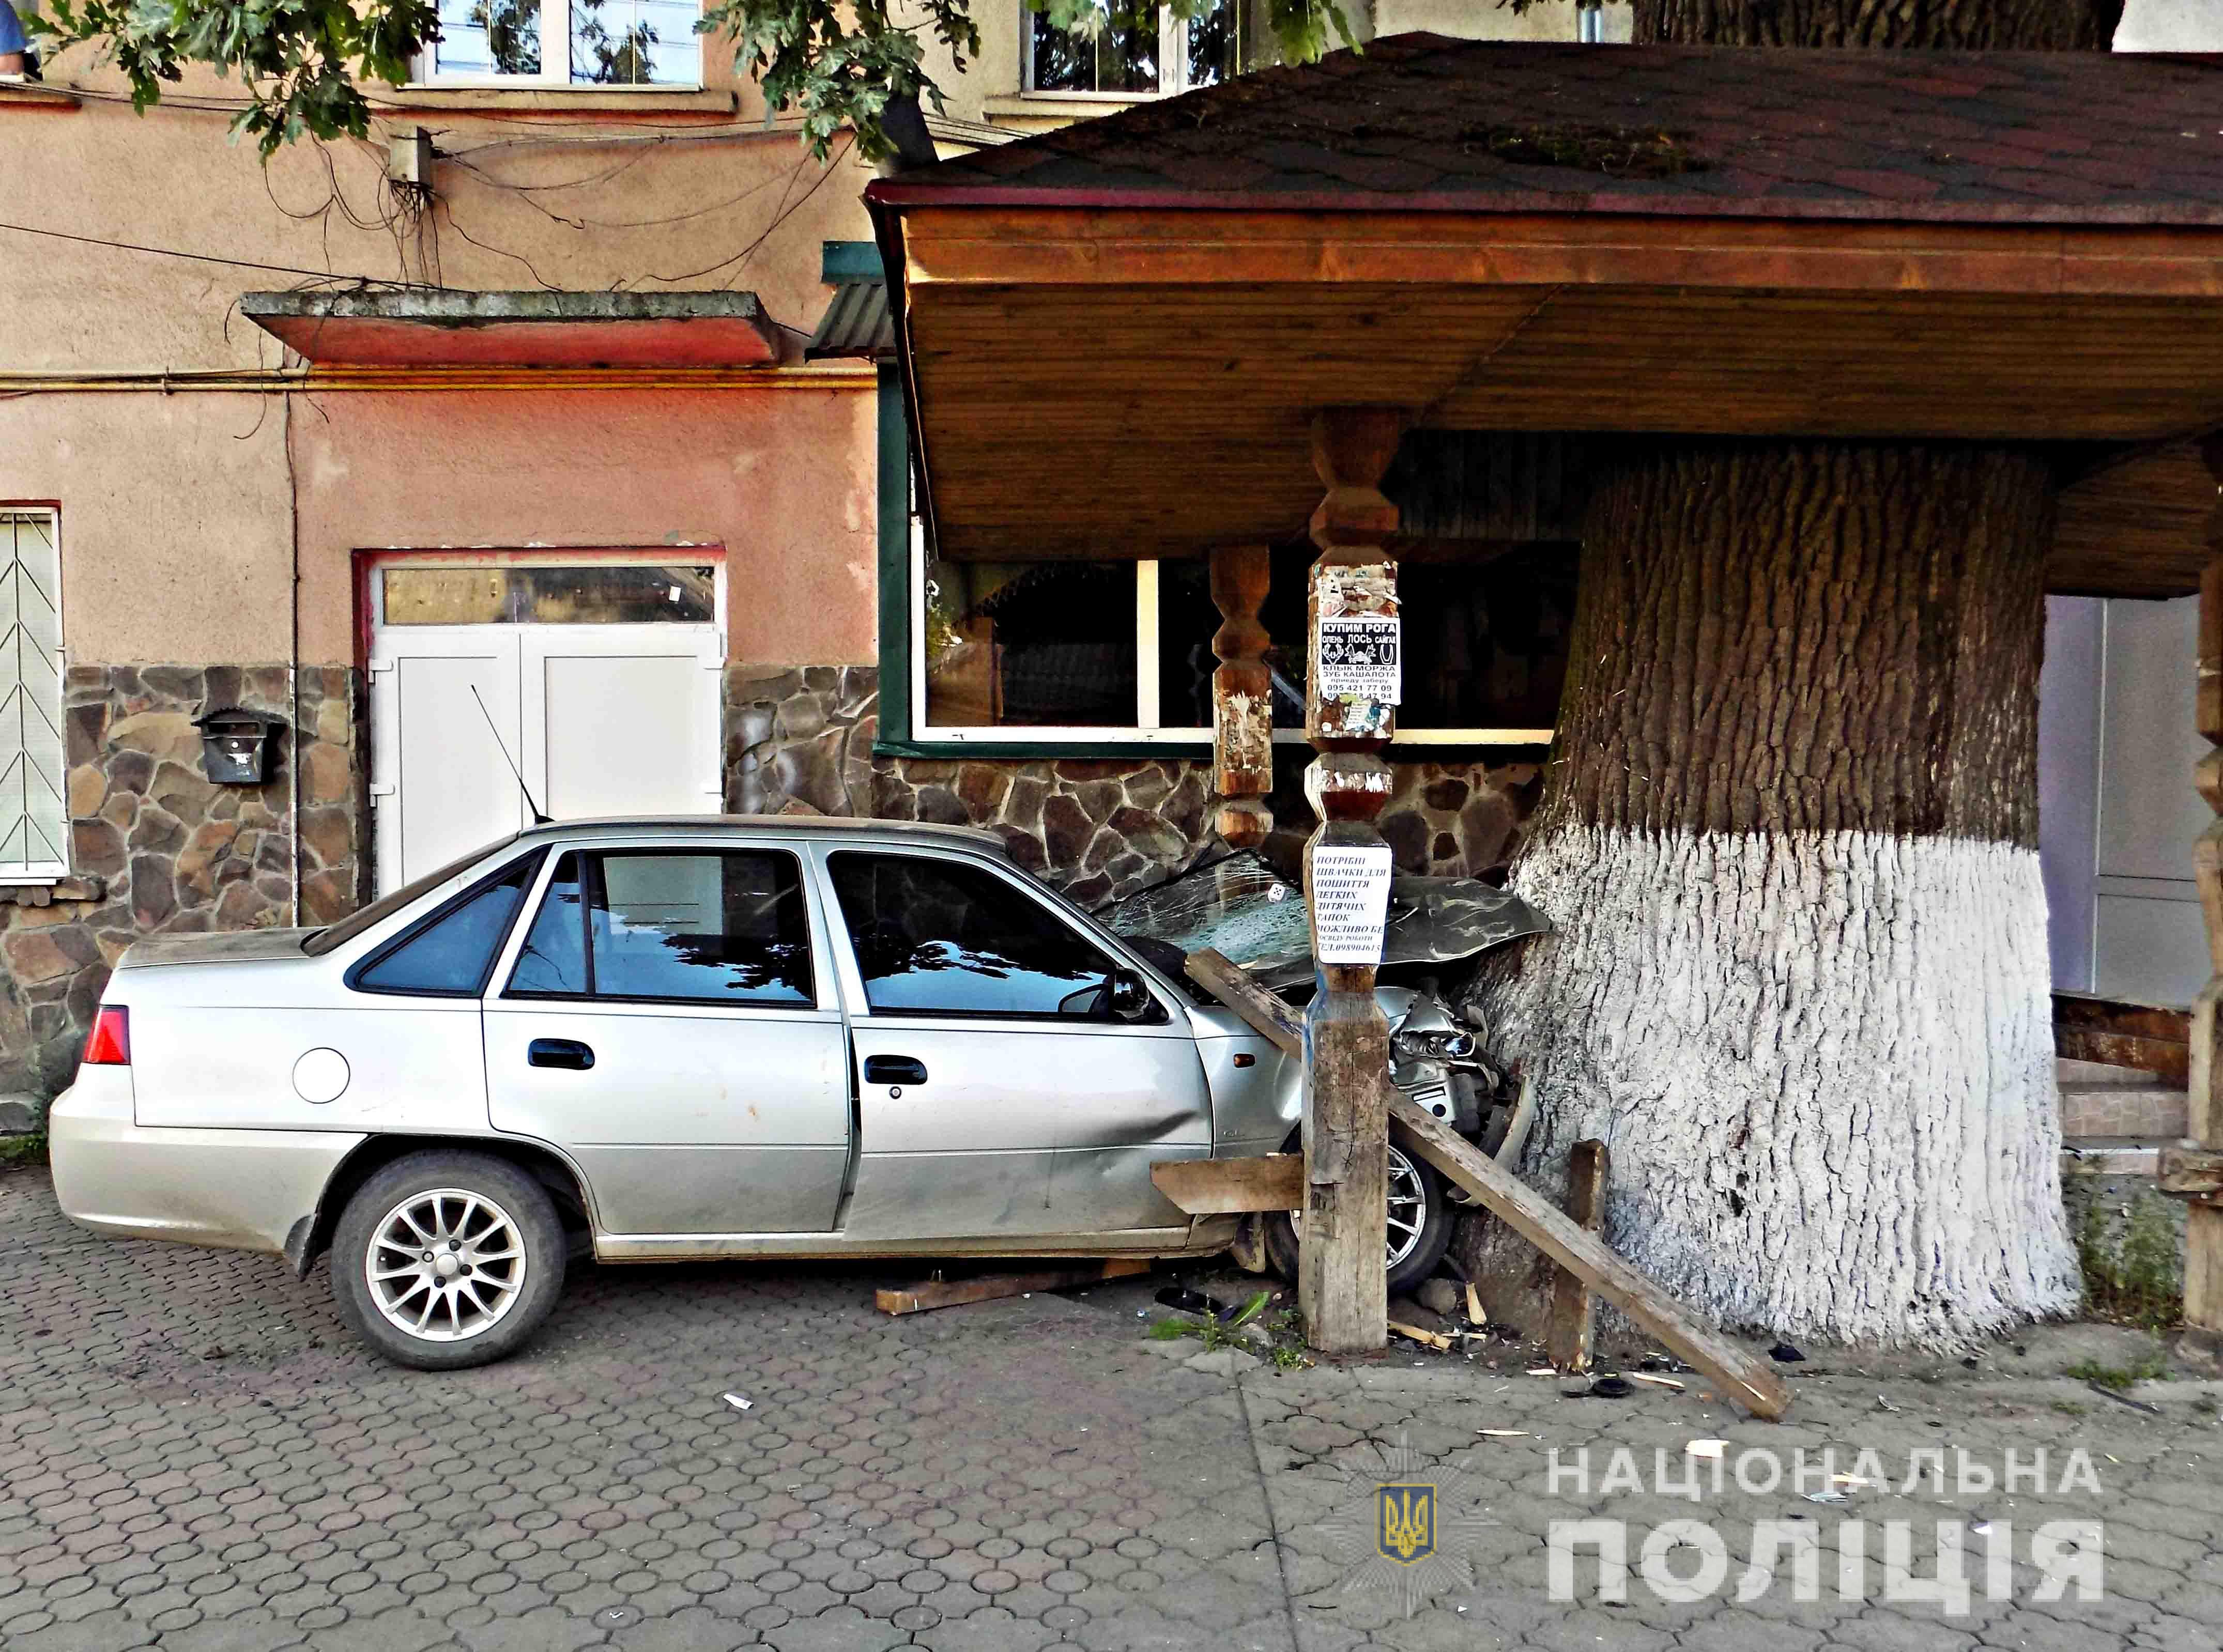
x,y
668,1020
997,1095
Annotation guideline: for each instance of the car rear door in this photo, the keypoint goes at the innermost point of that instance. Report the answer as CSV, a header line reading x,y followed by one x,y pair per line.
x,y
995,1095
667,1019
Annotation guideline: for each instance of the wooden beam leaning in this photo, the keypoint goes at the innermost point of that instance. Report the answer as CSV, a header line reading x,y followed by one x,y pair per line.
x,y
1567,1339
1242,699
2203,1231
1351,690
1739,1375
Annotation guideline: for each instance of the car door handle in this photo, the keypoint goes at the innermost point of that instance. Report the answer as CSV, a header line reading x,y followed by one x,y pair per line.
x,y
559,1052
894,1070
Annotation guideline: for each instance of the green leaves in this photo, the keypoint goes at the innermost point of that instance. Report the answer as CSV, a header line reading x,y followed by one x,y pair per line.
x,y
301,61
304,62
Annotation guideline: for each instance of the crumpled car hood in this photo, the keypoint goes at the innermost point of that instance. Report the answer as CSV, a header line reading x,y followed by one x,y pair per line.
x,y
1242,907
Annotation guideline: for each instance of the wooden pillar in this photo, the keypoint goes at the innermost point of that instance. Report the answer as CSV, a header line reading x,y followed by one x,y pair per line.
x,y
1242,699
2203,1246
1351,714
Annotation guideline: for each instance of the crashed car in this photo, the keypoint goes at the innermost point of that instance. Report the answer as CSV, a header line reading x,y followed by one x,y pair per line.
x,y
658,1040
1241,906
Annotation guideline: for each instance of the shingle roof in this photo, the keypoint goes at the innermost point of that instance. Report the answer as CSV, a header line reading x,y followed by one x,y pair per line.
x,y
1421,123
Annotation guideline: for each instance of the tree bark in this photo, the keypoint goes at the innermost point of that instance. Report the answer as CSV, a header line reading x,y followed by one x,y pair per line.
x,y
1980,25
1799,982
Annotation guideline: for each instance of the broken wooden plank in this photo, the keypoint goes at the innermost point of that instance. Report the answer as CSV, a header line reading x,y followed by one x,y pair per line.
x,y
1568,1338
1225,1187
1267,1012
1741,1376
955,1293
1435,1339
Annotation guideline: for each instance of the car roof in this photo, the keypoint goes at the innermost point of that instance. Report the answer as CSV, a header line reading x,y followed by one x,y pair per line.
x,y
796,825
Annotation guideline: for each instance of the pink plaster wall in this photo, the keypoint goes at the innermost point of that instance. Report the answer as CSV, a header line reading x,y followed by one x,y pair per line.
x,y
785,479
572,198
176,505
173,522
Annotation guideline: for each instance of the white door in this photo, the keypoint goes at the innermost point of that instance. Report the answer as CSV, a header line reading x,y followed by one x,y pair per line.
x,y
597,718
443,707
622,720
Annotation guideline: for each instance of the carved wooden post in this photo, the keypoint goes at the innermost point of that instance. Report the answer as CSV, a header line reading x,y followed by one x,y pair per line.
x,y
1349,712
1242,699
2203,1237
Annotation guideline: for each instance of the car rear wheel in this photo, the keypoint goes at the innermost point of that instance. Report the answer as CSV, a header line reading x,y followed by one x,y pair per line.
x,y
446,1260
1419,1226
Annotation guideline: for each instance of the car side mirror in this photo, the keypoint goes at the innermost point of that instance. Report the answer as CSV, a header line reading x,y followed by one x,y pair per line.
x,y
1129,995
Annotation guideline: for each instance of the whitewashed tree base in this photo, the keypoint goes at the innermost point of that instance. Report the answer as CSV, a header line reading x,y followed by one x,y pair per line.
x,y
1823,1066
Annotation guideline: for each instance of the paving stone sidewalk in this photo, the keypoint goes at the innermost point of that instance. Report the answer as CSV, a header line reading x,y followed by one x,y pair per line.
x,y
194,1456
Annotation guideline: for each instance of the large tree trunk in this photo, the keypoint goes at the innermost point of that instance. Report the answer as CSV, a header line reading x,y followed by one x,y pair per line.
x,y
1799,985
1982,25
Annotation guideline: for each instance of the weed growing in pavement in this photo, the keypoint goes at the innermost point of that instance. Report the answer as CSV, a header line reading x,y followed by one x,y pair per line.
x,y
2118,1379
2132,1276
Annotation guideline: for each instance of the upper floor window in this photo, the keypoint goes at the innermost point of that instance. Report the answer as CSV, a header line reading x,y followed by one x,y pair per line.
x,y
566,43
1139,51
34,774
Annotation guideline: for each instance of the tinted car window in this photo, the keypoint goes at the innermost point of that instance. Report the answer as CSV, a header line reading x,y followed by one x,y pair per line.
x,y
941,937
554,957
339,934
453,953
726,928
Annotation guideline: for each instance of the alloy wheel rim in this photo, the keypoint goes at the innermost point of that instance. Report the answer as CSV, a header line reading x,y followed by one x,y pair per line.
x,y
445,1265
1408,1209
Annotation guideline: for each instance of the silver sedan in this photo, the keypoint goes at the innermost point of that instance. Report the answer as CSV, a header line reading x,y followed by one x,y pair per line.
x,y
656,1040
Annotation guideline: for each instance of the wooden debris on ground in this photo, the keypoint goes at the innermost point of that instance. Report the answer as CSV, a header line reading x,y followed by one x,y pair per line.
x,y
1435,1339
990,1287
1741,1377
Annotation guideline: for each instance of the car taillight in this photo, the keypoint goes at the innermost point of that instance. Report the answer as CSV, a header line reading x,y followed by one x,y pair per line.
x,y
111,1043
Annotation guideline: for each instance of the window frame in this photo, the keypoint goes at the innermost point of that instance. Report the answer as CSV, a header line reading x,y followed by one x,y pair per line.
x,y
370,961
1055,906
1173,63
592,890
1147,732
555,24
35,874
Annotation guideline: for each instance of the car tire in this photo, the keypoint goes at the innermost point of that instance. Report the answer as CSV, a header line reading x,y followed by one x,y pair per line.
x,y
481,1267
1425,1187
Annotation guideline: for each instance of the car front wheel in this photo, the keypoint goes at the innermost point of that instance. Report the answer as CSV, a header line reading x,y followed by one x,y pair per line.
x,y
445,1260
1418,1226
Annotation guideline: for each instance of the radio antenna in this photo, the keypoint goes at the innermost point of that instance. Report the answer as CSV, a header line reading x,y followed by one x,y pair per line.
x,y
538,817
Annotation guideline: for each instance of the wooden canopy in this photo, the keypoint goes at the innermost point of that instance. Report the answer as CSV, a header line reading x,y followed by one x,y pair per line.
x,y
1114,337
